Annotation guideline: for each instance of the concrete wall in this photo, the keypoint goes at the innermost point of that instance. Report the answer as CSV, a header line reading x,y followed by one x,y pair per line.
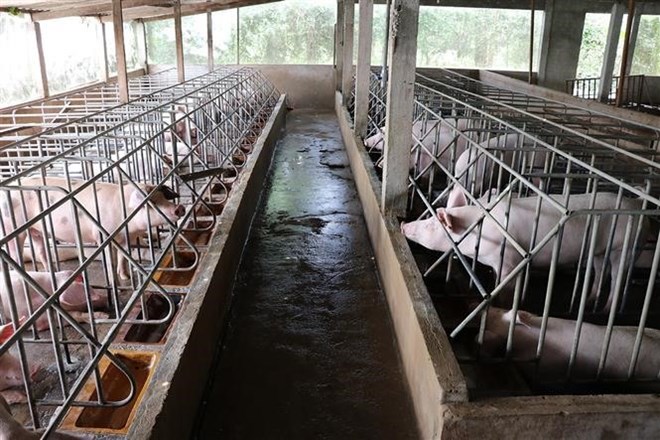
x,y
652,91
560,43
305,86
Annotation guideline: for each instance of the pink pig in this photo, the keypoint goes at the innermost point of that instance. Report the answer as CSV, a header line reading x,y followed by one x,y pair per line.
x,y
73,299
107,195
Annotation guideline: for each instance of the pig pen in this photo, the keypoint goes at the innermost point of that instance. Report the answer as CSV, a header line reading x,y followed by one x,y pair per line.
x,y
164,186
591,177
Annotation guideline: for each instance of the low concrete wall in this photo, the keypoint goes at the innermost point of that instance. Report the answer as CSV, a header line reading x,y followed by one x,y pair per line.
x,y
169,407
437,386
305,86
431,369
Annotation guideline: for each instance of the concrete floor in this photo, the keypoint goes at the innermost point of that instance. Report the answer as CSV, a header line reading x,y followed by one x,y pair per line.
x,y
310,350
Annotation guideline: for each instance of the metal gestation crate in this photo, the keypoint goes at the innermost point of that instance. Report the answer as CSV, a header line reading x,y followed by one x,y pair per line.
x,y
63,108
542,222
130,187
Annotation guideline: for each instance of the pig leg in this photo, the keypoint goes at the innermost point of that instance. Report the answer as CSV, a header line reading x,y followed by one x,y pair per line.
x,y
597,277
13,396
615,261
39,242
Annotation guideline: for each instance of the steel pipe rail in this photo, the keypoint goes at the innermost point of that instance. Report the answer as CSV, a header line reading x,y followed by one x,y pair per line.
x,y
56,110
543,209
101,217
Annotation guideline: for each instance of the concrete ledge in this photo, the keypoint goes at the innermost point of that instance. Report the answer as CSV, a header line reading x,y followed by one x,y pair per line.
x,y
437,386
498,80
431,370
170,404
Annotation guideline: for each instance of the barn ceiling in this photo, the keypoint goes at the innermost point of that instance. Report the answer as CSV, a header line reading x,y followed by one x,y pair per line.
x,y
133,9
158,9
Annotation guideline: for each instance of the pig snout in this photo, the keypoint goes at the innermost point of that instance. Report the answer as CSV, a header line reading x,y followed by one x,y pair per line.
x,y
179,211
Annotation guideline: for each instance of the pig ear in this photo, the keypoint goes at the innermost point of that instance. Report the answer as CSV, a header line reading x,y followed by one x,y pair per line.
x,y
136,198
525,318
445,218
168,192
73,298
456,198
6,332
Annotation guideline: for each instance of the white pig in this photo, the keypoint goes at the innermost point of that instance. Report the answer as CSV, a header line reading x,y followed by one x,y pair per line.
x,y
430,233
11,374
429,130
108,197
185,139
73,299
558,343
474,170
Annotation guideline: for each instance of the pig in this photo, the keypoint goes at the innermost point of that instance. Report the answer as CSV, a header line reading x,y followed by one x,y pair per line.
x,y
474,170
108,196
10,429
179,133
429,130
73,299
11,374
430,233
558,344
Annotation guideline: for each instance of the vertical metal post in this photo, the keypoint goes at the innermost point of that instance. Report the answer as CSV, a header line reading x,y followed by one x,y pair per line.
x,y
363,67
639,10
42,60
238,36
178,36
402,51
347,73
209,39
624,57
120,50
146,47
383,71
530,78
105,71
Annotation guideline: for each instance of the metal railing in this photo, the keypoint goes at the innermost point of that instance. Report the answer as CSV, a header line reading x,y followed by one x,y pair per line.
x,y
100,216
543,209
632,95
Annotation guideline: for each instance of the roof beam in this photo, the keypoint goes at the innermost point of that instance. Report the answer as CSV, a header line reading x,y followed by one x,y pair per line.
x,y
187,10
96,8
120,50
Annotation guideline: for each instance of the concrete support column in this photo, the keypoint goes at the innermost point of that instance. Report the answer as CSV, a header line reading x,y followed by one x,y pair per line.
x,y
339,44
120,50
178,38
363,67
383,71
347,73
560,43
402,50
609,57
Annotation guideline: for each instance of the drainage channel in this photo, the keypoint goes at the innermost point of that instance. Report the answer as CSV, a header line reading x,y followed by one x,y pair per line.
x,y
310,349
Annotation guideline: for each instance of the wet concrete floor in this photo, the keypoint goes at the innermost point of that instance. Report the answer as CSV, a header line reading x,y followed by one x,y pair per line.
x,y
310,351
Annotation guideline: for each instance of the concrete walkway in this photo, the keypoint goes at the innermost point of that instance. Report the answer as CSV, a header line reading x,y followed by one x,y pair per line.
x,y
310,352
